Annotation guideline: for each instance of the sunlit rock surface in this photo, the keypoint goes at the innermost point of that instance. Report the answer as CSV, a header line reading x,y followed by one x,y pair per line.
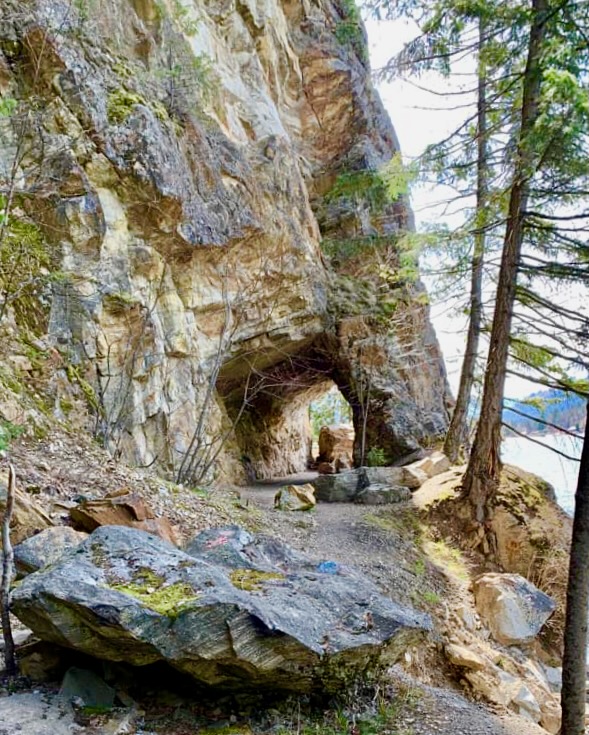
x,y
181,163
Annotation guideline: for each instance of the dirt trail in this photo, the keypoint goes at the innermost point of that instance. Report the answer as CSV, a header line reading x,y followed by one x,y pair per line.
x,y
379,541
382,541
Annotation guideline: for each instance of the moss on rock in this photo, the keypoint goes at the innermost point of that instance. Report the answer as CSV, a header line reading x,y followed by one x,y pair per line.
x,y
168,600
251,580
120,105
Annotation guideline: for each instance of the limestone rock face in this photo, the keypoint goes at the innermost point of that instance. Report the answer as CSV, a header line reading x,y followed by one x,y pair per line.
x,y
513,608
233,611
186,215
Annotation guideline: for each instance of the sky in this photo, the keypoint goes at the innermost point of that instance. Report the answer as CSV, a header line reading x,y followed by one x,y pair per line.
x,y
421,118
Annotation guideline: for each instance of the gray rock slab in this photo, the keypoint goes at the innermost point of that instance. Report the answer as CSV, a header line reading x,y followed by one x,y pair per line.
x,y
45,548
87,689
237,612
382,495
340,488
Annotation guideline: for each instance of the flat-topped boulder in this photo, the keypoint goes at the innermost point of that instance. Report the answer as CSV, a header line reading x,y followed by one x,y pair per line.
x,y
337,488
382,495
364,485
233,610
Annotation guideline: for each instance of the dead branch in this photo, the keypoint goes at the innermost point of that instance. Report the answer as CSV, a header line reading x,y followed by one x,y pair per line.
x,y
7,574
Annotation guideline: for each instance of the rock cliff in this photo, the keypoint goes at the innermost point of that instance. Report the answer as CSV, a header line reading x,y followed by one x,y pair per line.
x,y
201,179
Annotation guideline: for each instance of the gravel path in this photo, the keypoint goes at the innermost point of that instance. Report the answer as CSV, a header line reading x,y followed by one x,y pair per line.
x,y
33,713
378,541
445,712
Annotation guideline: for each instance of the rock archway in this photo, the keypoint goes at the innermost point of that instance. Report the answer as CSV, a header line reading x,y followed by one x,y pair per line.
x,y
254,229
397,397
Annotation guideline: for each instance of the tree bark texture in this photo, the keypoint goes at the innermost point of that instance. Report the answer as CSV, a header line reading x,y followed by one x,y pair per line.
x,y
7,574
457,436
575,631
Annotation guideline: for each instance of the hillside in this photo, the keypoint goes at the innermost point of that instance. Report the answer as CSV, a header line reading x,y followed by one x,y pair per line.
x,y
556,408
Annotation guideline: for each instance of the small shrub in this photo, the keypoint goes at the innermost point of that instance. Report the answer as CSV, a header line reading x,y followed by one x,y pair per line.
x,y
8,433
376,457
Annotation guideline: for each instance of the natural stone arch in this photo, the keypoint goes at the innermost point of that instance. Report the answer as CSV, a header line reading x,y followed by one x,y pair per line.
x,y
395,407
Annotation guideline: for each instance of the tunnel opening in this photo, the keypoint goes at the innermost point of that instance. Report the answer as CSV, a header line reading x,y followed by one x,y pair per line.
x,y
282,409
275,402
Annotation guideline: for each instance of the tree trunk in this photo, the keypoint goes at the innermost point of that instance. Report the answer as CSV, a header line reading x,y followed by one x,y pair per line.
x,y
7,573
482,476
575,630
457,435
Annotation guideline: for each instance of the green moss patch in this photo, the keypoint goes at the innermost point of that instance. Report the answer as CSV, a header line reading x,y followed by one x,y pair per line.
x,y
88,391
252,580
120,105
169,601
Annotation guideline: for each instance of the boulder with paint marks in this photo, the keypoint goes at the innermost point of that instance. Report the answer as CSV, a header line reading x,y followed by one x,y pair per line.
x,y
233,610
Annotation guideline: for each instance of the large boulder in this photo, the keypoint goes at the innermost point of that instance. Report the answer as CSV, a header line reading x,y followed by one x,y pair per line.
x,y
382,495
233,610
364,485
45,548
513,609
336,444
340,488
392,476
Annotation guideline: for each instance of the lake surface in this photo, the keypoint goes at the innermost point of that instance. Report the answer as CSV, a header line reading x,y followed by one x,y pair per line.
x,y
558,471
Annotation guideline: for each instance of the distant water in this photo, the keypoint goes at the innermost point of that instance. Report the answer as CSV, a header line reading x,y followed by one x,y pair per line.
x,y
561,473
